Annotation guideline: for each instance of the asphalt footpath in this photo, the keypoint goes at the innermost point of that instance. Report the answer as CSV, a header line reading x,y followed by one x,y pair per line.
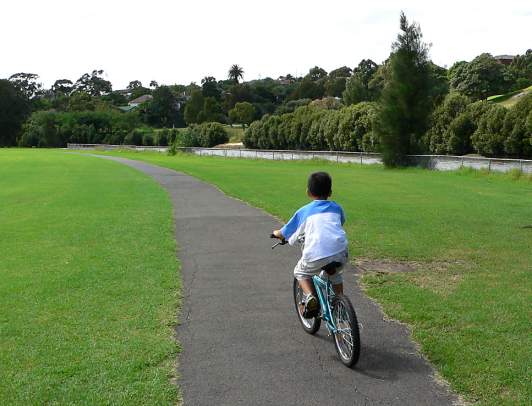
x,y
242,342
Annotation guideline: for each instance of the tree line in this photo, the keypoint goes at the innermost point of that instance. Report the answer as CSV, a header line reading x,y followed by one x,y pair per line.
x,y
407,99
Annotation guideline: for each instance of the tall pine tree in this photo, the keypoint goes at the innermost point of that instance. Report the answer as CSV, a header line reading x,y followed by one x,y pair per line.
x,y
405,100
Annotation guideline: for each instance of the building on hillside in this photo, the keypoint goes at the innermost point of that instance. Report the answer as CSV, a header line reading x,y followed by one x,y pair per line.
x,y
139,100
505,59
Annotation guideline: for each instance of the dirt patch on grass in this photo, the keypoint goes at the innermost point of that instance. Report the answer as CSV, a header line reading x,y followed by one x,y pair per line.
x,y
384,265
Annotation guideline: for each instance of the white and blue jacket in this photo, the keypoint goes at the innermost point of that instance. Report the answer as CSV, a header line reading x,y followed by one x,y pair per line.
x,y
321,223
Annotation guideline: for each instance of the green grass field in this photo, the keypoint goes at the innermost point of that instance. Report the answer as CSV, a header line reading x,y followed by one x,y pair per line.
x,y
470,233
88,283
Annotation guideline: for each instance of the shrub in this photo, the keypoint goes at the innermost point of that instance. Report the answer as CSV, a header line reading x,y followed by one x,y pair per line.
x,y
56,129
488,138
134,137
161,137
147,139
518,139
205,135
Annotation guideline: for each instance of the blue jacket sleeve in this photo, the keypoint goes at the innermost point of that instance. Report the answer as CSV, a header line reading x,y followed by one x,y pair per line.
x,y
290,227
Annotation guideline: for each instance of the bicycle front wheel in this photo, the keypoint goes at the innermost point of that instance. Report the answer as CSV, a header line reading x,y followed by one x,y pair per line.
x,y
312,324
347,336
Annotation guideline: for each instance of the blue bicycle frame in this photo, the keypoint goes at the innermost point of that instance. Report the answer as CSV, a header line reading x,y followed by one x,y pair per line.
x,y
325,295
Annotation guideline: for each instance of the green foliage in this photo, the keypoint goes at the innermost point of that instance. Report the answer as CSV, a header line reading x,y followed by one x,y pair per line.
x,y
205,135
27,84
437,140
358,86
147,139
93,83
14,108
482,77
163,110
242,113
518,137
235,73
405,101
488,138
315,128
56,129
194,107
521,68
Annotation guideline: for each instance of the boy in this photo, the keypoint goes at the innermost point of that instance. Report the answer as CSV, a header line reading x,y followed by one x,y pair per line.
x,y
320,222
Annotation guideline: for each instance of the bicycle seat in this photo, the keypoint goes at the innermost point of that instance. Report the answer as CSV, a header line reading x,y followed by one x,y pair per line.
x,y
330,268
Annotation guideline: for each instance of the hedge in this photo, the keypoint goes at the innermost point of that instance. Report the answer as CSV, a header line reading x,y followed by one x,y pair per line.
x,y
316,128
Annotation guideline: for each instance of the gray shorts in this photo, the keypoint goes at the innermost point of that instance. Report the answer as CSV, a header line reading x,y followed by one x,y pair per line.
x,y
307,269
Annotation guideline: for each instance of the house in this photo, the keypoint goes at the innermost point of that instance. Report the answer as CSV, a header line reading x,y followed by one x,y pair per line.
x,y
139,100
505,59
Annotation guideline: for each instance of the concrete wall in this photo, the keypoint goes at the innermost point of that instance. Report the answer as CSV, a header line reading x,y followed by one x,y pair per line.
x,y
436,162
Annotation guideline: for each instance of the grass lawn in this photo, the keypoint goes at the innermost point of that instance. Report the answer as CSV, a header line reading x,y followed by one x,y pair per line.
x,y
508,100
88,282
469,301
235,132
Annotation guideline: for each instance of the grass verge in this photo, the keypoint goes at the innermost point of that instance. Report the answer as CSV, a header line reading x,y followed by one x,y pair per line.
x,y
88,282
471,316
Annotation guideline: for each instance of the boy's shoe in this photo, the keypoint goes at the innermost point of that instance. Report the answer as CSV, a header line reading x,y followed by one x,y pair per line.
x,y
311,307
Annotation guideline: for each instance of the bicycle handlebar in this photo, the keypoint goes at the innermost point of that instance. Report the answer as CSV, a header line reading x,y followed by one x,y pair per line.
x,y
282,241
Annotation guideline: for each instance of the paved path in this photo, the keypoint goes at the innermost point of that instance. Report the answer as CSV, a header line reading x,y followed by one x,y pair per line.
x,y
242,342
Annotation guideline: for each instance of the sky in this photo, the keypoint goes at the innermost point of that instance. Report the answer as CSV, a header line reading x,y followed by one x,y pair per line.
x,y
175,41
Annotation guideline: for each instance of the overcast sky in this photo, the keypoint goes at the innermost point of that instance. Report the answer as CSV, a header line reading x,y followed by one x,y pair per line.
x,y
175,41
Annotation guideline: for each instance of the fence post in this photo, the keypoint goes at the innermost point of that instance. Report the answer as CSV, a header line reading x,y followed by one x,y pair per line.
x,y
273,155
489,164
361,158
240,153
337,155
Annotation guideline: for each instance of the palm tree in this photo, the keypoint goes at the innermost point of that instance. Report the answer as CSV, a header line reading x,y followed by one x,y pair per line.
x,y
235,73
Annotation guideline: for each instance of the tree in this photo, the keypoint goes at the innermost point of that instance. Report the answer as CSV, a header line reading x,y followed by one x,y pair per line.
x,y
405,101
357,88
81,101
211,111
194,106
236,72
154,84
163,109
521,67
134,84
210,87
27,84
242,113
316,73
14,108
93,84
482,77
62,87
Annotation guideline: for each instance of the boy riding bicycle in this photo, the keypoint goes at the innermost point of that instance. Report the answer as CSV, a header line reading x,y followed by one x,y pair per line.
x,y
320,224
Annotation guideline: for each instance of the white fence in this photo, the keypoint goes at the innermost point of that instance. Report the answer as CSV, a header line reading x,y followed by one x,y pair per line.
x,y
437,162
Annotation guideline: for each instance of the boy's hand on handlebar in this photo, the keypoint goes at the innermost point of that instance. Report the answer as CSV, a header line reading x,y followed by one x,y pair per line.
x,y
277,234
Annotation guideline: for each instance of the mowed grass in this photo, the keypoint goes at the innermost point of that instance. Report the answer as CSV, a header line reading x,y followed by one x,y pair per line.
x,y
469,302
88,282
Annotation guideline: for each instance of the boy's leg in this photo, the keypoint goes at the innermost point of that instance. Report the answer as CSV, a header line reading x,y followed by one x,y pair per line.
x,y
307,286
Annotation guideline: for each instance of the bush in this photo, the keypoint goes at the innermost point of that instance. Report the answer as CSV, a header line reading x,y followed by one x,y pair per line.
x,y
147,139
488,138
134,137
518,138
161,137
56,129
205,135
317,128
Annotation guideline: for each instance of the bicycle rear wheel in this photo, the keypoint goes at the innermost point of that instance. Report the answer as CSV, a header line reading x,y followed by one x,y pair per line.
x,y
312,324
347,337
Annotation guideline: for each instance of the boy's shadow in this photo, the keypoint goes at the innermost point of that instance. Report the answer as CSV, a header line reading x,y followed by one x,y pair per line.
x,y
382,364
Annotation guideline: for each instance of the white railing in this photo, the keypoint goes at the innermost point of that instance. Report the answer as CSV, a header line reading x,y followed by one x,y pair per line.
x,y
437,162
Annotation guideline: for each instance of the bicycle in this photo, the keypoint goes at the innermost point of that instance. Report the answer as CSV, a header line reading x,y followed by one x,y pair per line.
x,y
336,310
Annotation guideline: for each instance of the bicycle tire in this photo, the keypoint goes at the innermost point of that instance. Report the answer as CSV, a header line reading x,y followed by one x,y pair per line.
x,y
341,343
311,325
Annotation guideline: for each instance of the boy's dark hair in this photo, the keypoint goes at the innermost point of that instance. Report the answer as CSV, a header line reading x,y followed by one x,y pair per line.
x,y
319,184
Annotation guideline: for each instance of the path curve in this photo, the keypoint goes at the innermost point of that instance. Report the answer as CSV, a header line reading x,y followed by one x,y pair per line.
x,y
241,340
